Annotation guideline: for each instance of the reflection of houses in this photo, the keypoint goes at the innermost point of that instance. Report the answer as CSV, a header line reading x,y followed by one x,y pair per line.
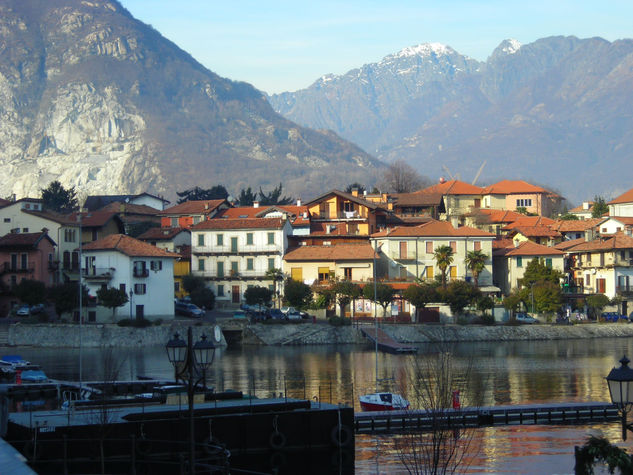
x,y
320,264
605,266
143,271
515,194
408,253
510,262
346,214
189,213
234,254
26,256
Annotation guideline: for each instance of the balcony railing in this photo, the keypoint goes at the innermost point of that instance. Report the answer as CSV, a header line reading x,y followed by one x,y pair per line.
x,y
233,275
624,289
8,267
406,256
97,273
141,272
242,250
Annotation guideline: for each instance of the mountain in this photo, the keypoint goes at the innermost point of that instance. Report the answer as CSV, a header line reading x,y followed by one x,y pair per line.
x,y
100,101
553,112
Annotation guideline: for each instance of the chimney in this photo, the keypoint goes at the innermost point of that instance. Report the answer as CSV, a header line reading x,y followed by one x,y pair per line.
x,y
298,201
365,193
305,215
354,191
206,206
255,204
585,205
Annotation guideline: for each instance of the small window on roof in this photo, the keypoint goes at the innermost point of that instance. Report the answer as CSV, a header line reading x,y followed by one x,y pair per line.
x,y
243,216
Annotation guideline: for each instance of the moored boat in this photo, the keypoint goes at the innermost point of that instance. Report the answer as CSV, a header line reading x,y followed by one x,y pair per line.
x,y
383,402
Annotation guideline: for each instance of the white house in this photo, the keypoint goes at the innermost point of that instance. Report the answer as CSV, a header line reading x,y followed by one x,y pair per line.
x,y
234,254
622,205
143,271
615,224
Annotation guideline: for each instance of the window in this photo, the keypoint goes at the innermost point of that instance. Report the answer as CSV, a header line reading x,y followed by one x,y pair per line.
x,y
220,269
519,261
140,269
66,260
622,254
234,244
548,263
176,286
271,263
122,287
403,249
24,263
347,271
156,265
200,264
296,273
14,261
139,289
196,219
588,280
271,238
219,240
25,230
453,272
220,290
429,247
69,235
200,239
7,220
234,267
428,272
249,239
524,203
477,246
453,245
324,274
249,263
174,222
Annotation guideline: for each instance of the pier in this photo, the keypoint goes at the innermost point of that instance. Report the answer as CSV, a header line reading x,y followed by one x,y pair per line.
x,y
528,414
385,342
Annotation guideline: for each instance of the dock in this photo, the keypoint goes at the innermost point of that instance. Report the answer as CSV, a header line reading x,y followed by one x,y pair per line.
x,y
386,343
536,414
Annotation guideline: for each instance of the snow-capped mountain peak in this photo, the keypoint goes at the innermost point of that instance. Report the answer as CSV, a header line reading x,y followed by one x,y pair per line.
x,y
424,49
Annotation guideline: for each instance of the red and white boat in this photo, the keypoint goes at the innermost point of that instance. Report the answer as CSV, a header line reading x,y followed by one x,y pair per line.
x,y
383,402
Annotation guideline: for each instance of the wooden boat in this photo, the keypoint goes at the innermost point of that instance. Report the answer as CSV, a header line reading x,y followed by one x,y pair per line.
x,y
383,402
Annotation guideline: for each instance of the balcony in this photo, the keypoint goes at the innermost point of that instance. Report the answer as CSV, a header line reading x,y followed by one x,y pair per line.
x,y
18,269
405,256
232,275
103,274
144,272
246,250
626,290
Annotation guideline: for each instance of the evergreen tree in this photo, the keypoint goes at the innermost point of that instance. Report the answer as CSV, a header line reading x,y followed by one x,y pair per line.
x,y
57,198
274,197
112,298
599,207
217,192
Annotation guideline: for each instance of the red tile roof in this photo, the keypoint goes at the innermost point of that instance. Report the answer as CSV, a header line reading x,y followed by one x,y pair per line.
x,y
581,209
623,198
613,242
536,231
577,225
128,208
626,220
251,212
157,234
417,198
565,245
92,219
453,187
528,221
502,243
510,187
339,252
433,228
348,196
246,223
192,207
128,246
497,216
529,248
23,240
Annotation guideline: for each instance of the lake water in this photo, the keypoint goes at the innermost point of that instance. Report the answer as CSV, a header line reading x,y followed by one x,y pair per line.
x,y
508,373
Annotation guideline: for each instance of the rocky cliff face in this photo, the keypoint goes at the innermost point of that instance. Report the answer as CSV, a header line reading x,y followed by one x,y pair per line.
x,y
102,102
552,112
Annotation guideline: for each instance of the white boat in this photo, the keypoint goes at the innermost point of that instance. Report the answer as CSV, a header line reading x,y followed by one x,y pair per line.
x,y
383,402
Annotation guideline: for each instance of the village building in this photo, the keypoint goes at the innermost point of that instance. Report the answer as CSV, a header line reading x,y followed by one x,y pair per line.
x,y
190,213
622,205
517,194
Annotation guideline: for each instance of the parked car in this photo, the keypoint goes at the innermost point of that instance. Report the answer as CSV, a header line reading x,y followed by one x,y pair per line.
x,y
188,309
287,310
38,308
23,311
277,314
525,318
293,315
258,316
239,314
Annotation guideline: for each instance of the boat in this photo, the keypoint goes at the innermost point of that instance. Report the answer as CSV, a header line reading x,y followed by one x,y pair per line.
x,y
383,402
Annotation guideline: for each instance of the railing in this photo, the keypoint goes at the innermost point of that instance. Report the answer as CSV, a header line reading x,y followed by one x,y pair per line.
x,y
405,256
8,267
624,289
240,250
141,272
97,273
232,275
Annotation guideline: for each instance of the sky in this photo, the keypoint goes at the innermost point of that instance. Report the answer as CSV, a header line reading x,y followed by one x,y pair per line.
x,y
281,45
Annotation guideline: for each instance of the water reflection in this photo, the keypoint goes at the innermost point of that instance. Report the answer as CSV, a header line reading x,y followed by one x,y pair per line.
x,y
510,373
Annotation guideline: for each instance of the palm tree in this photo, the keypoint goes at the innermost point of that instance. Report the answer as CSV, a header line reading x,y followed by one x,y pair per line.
x,y
443,256
276,275
476,262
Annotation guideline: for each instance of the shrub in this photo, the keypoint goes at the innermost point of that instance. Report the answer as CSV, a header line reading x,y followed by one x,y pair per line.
x,y
339,321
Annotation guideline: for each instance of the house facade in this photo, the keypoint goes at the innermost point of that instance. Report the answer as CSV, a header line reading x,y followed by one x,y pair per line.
x,y
458,199
408,253
143,271
622,205
190,213
234,254
518,194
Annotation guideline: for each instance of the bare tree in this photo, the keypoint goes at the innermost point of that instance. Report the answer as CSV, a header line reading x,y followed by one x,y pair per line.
x,y
400,177
441,449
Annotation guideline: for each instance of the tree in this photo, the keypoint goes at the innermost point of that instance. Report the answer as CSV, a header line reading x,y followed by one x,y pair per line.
x,y
400,177
381,294
547,296
274,197
297,294
599,207
246,197
217,192
441,449
485,303
476,262
443,256
420,294
346,292
460,294
568,217
111,297
357,186
203,297
257,295
191,282
537,270
596,303
65,297
30,292
512,301
57,198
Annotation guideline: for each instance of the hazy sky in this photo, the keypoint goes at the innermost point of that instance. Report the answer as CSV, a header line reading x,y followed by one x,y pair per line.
x,y
280,45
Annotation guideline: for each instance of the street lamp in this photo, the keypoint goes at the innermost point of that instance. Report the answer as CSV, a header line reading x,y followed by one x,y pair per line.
x,y
188,359
620,381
